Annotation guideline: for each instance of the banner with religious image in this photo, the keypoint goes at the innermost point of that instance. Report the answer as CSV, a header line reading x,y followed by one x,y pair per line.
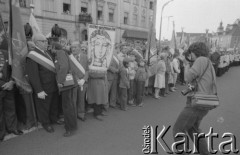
x,y
101,40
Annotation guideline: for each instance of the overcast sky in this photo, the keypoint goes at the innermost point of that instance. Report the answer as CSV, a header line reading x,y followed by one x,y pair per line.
x,y
196,16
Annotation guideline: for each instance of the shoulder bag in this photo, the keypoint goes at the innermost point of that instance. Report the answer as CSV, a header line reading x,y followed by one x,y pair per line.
x,y
205,101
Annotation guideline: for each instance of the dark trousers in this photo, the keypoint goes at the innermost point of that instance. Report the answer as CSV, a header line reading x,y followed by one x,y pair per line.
x,y
188,122
69,101
166,82
97,109
131,91
140,85
30,109
8,118
181,75
47,109
123,98
112,90
81,98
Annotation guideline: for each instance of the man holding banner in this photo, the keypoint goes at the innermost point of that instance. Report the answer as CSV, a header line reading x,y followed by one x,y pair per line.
x,y
42,76
8,118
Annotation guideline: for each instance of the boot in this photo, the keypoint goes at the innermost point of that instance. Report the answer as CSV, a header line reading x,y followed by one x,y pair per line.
x,y
171,87
156,96
162,92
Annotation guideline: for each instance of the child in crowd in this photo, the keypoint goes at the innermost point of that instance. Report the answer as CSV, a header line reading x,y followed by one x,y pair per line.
x,y
124,84
132,72
140,78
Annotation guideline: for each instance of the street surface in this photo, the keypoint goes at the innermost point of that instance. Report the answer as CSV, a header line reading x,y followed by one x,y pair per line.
x,y
121,132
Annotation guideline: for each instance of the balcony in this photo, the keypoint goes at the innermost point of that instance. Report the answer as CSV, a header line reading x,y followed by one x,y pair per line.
x,y
85,18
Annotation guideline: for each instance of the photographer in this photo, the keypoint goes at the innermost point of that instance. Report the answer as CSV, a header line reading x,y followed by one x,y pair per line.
x,y
190,118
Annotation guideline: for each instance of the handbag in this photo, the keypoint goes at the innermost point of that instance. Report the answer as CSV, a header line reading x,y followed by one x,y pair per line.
x,y
69,81
205,101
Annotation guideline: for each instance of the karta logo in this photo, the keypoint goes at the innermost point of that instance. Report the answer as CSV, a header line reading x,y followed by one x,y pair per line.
x,y
153,138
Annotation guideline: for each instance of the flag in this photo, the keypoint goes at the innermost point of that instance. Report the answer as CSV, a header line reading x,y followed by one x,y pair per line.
x,y
173,43
34,25
151,42
182,38
18,46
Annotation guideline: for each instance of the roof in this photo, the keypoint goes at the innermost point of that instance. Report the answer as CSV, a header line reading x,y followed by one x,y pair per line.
x,y
135,34
179,34
235,31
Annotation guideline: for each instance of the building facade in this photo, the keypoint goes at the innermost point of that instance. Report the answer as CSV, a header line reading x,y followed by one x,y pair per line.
x,y
131,18
229,37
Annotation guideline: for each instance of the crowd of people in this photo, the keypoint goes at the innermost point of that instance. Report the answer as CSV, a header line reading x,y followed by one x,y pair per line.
x,y
61,94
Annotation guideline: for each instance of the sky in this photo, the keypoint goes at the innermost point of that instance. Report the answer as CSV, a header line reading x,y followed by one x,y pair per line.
x,y
195,16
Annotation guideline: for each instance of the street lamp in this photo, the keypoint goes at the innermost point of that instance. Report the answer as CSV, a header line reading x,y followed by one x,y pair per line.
x,y
160,31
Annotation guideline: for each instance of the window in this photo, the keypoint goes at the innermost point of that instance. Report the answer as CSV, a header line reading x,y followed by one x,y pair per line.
x,y
49,5
143,21
151,6
83,10
111,15
67,6
100,13
23,3
135,20
84,7
125,20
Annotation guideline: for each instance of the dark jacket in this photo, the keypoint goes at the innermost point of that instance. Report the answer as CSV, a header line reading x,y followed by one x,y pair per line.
x,y
215,58
141,74
84,62
124,80
40,78
6,69
62,65
113,70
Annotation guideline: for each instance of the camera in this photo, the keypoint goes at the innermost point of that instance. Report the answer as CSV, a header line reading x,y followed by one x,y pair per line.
x,y
189,89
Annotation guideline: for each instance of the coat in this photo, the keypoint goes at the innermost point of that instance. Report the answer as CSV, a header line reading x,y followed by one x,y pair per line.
x,y
6,68
40,78
62,65
97,91
124,79
84,62
160,76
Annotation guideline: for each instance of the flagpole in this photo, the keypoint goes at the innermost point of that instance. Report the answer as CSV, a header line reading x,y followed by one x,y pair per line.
x,y
10,34
175,44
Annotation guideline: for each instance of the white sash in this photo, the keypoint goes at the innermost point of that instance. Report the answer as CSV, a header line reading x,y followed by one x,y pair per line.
x,y
115,58
42,60
77,64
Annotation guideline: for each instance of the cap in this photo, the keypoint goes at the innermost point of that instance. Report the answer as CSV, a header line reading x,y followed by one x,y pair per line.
x,y
38,36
